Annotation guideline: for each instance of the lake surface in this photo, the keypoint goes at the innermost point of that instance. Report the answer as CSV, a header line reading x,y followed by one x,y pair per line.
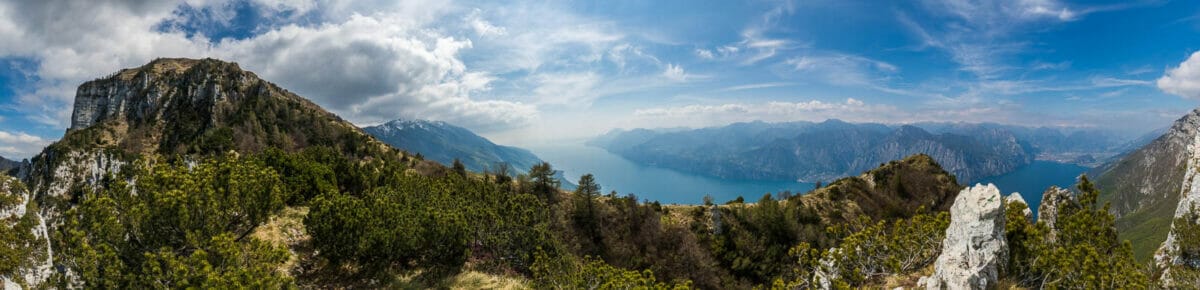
x,y
654,183
670,186
1033,179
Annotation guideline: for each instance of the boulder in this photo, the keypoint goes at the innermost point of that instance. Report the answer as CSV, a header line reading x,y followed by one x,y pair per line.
x,y
1048,210
974,250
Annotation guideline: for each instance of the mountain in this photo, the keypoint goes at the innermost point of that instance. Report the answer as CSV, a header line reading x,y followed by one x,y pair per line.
x,y
6,165
815,151
1087,147
443,142
1144,185
172,109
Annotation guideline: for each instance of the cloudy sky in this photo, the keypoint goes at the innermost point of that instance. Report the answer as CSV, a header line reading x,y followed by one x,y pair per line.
x,y
524,72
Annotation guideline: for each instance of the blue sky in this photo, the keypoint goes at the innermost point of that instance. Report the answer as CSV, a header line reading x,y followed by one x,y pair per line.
x,y
525,72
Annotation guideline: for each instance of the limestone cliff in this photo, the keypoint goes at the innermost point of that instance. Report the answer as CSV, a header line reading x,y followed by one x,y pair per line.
x,y
1168,254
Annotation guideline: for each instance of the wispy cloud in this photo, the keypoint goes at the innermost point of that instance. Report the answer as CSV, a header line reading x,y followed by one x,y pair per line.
x,y
755,86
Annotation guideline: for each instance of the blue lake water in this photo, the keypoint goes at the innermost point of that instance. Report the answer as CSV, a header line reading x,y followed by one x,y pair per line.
x,y
1033,179
669,186
654,183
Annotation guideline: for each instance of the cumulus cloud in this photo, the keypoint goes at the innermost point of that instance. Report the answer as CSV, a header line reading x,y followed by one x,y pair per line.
x,y
1183,80
19,145
675,72
367,61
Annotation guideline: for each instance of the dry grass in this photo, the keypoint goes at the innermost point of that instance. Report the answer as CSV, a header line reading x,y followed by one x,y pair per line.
x,y
286,230
478,280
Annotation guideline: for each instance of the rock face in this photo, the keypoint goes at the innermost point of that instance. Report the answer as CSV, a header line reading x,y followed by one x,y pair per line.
x,y
1143,186
1168,253
1048,210
1016,197
974,249
20,217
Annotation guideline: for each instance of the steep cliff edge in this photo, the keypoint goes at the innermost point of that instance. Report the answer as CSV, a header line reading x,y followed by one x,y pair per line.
x,y
1144,186
1173,254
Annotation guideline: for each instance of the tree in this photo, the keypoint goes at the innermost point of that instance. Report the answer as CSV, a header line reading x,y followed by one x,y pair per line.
x,y
459,168
502,173
186,227
545,185
585,218
1085,254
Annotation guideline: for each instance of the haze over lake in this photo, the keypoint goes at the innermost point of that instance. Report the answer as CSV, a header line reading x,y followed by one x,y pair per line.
x,y
653,183
670,186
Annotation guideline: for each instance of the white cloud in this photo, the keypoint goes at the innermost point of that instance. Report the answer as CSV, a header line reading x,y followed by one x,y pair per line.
x,y
482,27
675,72
574,90
841,69
19,145
1183,80
772,111
704,53
365,61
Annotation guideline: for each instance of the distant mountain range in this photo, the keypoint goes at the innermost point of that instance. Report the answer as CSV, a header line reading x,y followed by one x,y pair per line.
x,y
6,165
832,149
444,142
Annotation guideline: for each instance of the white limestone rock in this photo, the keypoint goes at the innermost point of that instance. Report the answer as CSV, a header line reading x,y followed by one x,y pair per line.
x,y
1016,197
1048,210
974,249
1189,198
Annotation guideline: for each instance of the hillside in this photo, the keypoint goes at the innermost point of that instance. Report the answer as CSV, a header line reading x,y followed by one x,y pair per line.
x,y
1144,185
174,110
815,151
444,142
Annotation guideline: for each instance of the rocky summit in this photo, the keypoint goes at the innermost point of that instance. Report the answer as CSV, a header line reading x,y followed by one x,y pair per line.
x,y
1048,213
974,250
184,109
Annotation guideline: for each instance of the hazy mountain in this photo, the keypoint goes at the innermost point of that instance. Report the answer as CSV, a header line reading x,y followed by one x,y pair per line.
x,y
443,142
6,165
1144,185
1087,147
816,151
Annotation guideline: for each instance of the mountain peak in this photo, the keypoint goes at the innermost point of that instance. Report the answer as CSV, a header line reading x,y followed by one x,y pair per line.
x,y
185,106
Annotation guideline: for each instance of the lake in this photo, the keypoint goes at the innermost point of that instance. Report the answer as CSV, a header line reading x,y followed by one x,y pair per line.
x,y
1033,179
614,172
653,183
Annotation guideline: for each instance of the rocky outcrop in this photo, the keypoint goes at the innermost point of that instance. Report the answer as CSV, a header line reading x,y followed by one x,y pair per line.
x,y
974,250
1048,210
19,216
1168,254
1016,198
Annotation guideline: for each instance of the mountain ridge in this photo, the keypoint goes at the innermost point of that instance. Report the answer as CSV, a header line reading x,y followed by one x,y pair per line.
x,y
1144,185
445,142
